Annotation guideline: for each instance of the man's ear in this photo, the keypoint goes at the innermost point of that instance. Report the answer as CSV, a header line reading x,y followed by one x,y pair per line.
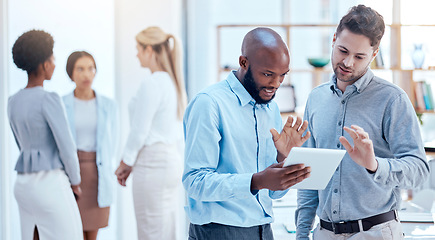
x,y
243,62
334,39
375,53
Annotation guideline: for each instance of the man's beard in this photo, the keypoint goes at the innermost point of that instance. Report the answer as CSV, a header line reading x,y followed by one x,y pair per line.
x,y
352,78
252,88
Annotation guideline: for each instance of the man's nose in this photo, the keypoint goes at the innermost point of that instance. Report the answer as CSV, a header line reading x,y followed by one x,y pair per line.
x,y
276,81
348,61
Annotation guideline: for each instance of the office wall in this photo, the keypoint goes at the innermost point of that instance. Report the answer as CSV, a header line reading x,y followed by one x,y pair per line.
x,y
202,19
4,167
76,25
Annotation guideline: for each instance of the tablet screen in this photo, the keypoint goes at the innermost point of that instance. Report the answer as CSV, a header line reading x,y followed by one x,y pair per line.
x,y
323,163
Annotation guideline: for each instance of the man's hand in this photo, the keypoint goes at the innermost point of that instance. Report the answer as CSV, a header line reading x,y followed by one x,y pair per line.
x,y
123,172
362,152
290,136
276,177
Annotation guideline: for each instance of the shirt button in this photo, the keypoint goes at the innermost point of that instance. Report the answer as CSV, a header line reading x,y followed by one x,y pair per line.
x,y
339,123
343,102
334,212
335,190
100,164
378,177
338,145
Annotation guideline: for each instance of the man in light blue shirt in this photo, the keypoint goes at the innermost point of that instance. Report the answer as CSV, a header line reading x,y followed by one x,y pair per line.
x,y
385,152
233,165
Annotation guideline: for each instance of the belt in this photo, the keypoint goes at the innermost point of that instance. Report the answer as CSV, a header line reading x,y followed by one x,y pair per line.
x,y
353,226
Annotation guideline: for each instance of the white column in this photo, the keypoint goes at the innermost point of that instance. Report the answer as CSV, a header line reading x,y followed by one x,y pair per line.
x,y
201,32
4,136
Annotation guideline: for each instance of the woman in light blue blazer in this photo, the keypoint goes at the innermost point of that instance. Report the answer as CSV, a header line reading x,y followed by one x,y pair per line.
x,y
47,167
93,123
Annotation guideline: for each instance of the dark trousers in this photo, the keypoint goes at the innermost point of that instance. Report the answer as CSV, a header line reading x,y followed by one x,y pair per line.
x,y
214,231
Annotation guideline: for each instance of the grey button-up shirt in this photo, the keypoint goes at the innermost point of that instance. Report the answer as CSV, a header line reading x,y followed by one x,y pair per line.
x,y
384,111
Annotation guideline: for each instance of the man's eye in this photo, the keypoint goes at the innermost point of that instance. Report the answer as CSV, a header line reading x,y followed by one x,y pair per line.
x,y
359,57
267,74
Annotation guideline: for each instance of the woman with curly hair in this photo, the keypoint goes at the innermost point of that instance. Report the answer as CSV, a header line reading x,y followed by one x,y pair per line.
x,y
48,167
155,130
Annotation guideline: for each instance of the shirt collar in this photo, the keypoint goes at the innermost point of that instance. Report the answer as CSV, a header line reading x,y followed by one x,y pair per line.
x,y
360,84
240,91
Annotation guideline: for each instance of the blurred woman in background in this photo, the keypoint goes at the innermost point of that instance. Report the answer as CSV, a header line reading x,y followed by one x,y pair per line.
x,y
152,150
93,123
48,168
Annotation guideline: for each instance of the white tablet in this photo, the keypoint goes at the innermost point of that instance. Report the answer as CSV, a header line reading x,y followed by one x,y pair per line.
x,y
323,163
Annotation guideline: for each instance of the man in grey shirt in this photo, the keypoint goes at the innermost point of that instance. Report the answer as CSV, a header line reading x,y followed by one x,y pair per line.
x,y
375,122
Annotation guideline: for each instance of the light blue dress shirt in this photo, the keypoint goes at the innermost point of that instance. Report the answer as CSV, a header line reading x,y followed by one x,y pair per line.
x,y
228,139
384,111
107,143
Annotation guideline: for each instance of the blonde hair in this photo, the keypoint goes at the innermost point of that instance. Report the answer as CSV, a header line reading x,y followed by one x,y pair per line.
x,y
169,60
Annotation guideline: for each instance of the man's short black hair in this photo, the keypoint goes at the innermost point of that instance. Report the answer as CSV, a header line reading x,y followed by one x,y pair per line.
x,y
365,21
31,49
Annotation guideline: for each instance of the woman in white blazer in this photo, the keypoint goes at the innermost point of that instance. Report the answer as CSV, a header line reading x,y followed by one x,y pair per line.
x,y
48,168
93,122
155,130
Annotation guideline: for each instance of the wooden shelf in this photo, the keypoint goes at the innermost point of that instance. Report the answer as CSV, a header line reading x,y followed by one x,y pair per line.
x,y
425,111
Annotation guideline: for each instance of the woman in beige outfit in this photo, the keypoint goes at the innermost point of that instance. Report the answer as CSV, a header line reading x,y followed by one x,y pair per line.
x,y
93,122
